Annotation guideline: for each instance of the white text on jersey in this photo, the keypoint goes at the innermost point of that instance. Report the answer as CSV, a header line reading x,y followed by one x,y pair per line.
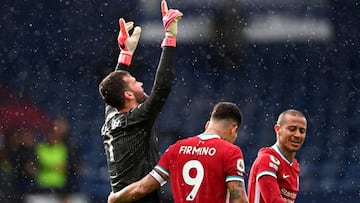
x,y
197,150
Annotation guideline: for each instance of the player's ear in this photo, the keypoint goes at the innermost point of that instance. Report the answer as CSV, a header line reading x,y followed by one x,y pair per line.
x,y
207,125
128,95
234,129
276,128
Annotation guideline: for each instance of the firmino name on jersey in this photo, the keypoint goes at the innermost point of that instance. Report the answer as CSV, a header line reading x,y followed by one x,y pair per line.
x,y
211,151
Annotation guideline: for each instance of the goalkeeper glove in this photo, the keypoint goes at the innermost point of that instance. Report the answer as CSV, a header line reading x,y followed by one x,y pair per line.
x,y
170,20
127,43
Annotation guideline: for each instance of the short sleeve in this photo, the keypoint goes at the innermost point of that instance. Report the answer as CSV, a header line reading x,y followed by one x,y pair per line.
x,y
164,163
235,165
267,164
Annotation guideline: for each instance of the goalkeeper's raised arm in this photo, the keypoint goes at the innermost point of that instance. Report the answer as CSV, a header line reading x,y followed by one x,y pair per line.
x,y
128,131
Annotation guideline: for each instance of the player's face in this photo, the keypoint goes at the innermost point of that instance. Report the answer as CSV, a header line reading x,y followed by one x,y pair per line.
x,y
291,134
136,88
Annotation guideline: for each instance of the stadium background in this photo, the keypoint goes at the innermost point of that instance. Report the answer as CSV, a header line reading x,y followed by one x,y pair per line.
x,y
55,54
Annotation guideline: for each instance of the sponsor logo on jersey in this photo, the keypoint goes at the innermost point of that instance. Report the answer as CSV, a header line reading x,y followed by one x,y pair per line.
x,y
289,196
285,176
241,165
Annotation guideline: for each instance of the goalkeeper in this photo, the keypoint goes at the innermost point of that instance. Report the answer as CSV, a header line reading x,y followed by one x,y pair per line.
x,y
128,131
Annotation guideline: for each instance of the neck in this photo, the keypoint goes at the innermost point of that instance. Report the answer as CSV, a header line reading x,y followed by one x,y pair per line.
x,y
124,110
288,154
213,131
127,108
216,132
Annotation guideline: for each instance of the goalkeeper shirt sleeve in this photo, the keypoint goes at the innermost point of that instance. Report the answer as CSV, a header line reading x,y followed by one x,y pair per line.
x,y
120,66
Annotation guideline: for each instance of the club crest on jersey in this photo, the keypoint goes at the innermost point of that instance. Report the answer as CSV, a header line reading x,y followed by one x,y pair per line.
x,y
274,160
119,121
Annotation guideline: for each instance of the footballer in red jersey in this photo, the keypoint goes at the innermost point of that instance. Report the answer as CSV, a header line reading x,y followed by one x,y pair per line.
x,y
274,175
199,168
270,162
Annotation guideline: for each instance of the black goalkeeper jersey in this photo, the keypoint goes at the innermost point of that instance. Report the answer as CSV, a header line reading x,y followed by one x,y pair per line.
x,y
130,142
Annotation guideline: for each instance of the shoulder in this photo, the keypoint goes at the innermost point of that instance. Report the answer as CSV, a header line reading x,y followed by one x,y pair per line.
x,y
228,150
118,120
296,165
267,160
113,121
267,152
188,140
179,143
233,148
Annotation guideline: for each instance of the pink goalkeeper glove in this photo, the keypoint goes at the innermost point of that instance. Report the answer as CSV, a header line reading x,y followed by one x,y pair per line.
x,y
170,20
127,43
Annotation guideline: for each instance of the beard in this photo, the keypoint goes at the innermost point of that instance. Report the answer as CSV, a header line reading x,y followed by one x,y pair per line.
x,y
140,97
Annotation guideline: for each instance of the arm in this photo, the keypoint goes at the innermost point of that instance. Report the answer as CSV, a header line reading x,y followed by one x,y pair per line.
x,y
167,59
237,192
235,167
270,189
165,73
139,189
134,191
166,69
127,44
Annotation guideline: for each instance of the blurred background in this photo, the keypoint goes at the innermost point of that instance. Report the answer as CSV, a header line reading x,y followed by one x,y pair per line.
x,y
266,56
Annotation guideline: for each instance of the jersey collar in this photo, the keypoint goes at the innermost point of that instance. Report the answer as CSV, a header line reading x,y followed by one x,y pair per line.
x,y
205,136
277,149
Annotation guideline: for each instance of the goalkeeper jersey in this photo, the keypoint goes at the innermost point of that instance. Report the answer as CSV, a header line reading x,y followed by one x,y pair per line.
x,y
130,142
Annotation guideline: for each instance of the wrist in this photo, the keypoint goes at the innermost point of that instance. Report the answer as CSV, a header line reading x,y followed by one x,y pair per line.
x,y
125,58
169,41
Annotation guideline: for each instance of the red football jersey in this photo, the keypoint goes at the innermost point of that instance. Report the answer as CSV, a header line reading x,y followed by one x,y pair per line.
x,y
200,166
271,162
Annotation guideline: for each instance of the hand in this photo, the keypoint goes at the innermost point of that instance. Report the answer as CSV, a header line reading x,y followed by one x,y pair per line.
x,y
127,43
111,198
170,20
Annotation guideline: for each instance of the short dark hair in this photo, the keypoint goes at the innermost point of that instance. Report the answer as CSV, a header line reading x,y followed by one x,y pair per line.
x,y
112,88
227,110
281,118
